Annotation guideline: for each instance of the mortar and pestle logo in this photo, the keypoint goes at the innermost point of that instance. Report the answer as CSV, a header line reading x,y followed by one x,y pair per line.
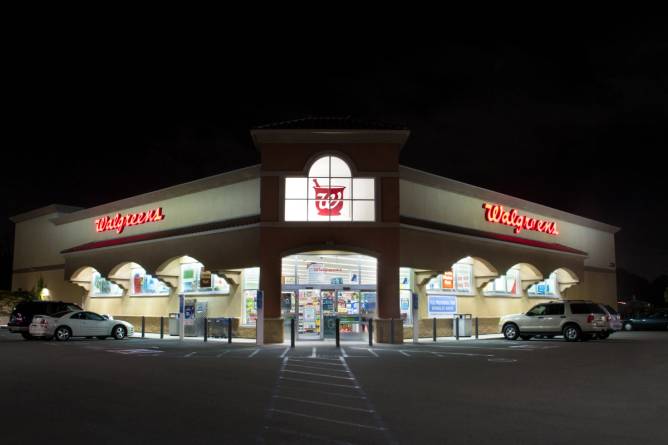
x,y
329,200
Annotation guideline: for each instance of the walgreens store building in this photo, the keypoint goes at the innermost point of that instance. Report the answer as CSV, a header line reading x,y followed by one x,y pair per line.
x,y
328,226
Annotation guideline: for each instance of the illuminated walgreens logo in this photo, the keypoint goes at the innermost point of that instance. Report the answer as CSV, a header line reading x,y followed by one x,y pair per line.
x,y
119,222
496,213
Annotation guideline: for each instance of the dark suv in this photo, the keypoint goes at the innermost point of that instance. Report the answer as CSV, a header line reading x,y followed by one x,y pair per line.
x,y
22,314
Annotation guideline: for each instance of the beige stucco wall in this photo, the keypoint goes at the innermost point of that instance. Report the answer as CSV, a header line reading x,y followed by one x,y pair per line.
x,y
38,241
59,288
434,204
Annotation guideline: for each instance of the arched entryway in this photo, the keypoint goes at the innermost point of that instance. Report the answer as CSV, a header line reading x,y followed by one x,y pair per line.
x,y
319,287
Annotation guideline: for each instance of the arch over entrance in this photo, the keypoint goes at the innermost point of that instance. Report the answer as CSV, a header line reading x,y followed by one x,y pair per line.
x,y
317,287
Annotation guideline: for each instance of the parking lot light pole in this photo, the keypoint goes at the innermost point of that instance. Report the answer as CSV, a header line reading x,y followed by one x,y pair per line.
x,y
338,333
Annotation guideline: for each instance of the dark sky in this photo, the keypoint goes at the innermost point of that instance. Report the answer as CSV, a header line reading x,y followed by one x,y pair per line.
x,y
573,117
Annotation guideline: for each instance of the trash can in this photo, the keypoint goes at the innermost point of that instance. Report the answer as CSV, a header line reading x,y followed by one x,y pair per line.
x,y
465,322
174,323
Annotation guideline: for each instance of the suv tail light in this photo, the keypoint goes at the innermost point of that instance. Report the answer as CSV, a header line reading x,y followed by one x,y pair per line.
x,y
590,318
607,318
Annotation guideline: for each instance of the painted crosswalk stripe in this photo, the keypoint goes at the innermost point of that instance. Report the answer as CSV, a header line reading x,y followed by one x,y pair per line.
x,y
332,405
324,419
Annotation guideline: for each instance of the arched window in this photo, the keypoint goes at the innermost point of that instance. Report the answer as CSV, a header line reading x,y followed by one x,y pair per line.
x,y
330,193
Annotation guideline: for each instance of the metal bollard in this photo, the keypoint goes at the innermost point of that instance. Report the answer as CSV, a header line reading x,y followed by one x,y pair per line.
x,y
370,331
292,333
457,327
143,326
434,328
162,328
229,330
476,328
206,329
338,333
391,330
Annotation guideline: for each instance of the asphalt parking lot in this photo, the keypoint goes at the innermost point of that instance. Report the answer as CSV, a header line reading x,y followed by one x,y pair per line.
x,y
150,391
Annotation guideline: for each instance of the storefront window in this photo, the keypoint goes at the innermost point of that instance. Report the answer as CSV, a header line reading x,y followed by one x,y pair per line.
x,y
101,287
330,270
508,284
330,193
251,282
547,288
457,280
197,280
143,284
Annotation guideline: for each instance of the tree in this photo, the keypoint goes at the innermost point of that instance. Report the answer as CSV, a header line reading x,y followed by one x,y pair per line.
x,y
38,289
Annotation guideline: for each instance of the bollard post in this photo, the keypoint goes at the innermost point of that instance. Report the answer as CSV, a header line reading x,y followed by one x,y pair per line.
x,y
229,330
433,324
476,328
338,334
292,333
206,329
457,327
370,331
162,328
143,326
391,330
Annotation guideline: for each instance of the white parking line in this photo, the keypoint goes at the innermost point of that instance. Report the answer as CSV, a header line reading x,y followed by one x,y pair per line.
x,y
404,353
285,352
319,362
223,353
254,353
313,355
372,352
189,355
324,419
343,352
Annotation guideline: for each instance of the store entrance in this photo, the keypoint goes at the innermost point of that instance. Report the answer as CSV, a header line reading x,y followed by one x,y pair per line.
x,y
318,289
316,310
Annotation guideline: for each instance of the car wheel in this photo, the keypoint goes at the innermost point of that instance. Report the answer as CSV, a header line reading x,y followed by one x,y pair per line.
x,y
511,332
628,327
525,337
63,333
119,332
26,336
102,337
572,332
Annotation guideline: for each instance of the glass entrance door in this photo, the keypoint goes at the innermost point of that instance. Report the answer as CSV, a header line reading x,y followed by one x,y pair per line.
x,y
310,314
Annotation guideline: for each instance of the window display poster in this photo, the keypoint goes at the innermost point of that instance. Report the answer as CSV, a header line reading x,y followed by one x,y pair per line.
x,y
447,280
441,305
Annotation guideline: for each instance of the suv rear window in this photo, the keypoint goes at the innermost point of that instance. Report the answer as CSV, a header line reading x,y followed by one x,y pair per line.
x,y
586,308
611,310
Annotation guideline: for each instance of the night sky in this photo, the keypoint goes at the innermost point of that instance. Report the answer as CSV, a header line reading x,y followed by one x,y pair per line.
x,y
575,119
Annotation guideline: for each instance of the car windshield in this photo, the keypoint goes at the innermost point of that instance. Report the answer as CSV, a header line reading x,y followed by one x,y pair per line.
x,y
59,314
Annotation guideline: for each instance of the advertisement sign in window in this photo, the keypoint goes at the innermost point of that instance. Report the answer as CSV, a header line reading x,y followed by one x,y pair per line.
x,y
447,280
441,305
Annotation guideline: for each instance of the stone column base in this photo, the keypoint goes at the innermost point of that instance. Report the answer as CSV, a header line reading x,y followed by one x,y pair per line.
x,y
273,330
382,329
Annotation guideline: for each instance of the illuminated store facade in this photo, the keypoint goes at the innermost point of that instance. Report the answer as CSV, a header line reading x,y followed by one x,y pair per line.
x,y
328,226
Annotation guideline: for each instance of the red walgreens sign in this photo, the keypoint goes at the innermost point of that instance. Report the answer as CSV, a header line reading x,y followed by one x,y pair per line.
x,y
497,214
120,222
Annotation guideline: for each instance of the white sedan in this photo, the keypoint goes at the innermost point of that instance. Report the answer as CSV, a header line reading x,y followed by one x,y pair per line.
x,y
64,325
